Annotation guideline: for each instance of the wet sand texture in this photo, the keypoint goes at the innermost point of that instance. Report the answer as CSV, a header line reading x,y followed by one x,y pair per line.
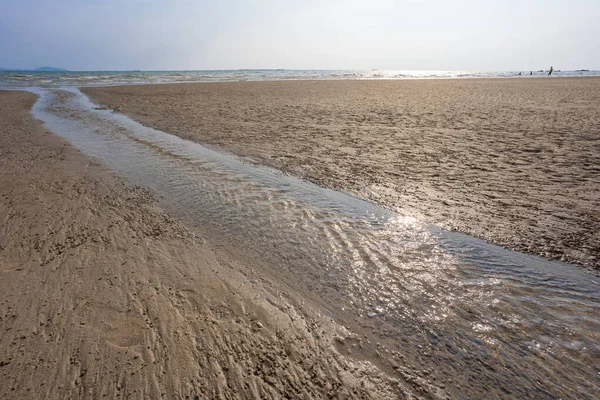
x,y
105,296
512,161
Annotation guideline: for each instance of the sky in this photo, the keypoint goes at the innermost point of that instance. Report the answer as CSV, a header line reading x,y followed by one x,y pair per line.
x,y
311,34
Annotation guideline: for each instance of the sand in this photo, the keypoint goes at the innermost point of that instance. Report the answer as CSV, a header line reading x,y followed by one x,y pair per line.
x,y
512,161
104,295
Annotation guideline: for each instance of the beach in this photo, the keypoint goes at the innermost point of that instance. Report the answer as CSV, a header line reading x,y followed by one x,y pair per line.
x,y
513,161
105,295
146,263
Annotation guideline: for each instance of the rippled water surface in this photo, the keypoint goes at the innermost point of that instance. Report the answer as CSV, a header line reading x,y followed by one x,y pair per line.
x,y
449,314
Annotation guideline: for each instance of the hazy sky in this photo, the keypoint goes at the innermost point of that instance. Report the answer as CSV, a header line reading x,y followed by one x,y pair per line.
x,y
327,34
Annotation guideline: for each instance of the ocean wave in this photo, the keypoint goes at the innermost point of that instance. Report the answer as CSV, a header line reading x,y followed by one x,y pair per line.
x,y
102,78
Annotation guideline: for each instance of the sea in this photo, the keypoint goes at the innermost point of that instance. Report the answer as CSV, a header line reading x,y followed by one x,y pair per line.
x,y
11,79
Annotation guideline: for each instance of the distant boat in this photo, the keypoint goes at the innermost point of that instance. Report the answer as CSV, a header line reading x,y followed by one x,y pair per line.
x,y
582,70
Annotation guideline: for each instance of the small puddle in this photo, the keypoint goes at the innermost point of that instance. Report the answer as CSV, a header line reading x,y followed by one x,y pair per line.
x,y
460,315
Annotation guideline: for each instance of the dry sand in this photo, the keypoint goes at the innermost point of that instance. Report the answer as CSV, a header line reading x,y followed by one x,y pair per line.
x,y
103,295
513,161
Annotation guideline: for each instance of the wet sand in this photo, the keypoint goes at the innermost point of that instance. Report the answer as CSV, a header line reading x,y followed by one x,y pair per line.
x,y
512,161
105,295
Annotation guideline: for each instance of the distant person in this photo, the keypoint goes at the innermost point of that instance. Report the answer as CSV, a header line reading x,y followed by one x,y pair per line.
x,y
519,74
551,69
530,73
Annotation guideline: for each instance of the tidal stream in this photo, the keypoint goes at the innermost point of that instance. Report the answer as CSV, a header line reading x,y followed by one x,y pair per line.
x,y
472,319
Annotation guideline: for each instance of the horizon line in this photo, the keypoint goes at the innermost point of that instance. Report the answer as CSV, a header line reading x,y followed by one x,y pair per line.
x,y
286,69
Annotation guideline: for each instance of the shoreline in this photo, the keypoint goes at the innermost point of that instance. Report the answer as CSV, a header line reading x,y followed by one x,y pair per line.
x,y
344,134
46,84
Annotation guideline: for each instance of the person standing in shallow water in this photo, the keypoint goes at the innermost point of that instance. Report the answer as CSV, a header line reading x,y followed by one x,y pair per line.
x,y
551,69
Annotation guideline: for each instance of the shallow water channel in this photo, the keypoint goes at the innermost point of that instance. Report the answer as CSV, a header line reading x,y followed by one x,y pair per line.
x,y
466,318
